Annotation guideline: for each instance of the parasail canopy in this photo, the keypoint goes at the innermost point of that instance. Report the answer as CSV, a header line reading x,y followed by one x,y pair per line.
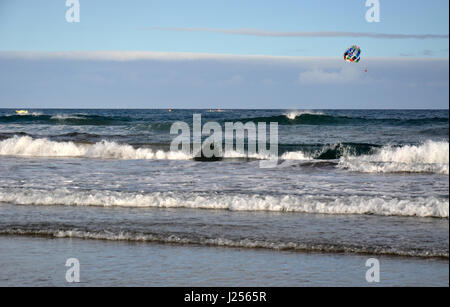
x,y
353,54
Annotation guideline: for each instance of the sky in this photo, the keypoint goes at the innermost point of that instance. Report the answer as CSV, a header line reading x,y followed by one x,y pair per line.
x,y
227,54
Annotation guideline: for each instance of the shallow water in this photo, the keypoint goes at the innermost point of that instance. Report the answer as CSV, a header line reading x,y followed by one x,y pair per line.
x,y
30,261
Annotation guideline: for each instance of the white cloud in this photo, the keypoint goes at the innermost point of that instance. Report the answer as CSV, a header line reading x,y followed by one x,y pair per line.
x,y
345,74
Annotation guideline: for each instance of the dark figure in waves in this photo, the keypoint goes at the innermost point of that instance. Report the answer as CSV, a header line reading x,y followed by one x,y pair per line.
x,y
203,158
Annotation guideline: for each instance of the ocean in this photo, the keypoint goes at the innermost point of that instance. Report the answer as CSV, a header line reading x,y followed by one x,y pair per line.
x,y
103,186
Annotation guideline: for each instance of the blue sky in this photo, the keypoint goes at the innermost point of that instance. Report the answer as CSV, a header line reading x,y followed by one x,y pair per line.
x,y
409,34
127,25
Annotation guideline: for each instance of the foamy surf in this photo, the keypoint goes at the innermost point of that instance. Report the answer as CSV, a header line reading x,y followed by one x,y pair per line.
x,y
429,157
295,155
26,146
65,116
314,204
222,242
294,114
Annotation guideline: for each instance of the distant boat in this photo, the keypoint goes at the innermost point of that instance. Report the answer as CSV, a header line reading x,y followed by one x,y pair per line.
x,y
21,112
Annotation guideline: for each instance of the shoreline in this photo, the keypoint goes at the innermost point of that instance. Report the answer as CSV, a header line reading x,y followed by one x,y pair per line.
x,y
106,263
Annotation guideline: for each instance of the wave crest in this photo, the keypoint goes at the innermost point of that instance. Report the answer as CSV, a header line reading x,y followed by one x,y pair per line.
x,y
429,157
221,242
315,204
29,147
294,114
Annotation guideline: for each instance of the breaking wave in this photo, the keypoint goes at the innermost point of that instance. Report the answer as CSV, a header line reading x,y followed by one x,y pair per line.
x,y
67,232
292,115
429,157
319,118
26,146
315,204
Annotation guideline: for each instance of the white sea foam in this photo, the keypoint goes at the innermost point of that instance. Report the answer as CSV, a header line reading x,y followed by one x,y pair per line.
x,y
430,157
294,114
222,242
295,155
237,154
318,204
28,147
65,116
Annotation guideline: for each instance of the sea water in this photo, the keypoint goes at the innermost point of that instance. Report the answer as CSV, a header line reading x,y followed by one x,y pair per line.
x,y
350,185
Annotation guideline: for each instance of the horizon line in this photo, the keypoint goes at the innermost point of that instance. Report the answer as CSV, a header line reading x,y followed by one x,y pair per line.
x,y
215,108
131,55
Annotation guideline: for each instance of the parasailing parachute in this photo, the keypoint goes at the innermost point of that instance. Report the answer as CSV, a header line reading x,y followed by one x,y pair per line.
x,y
353,54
